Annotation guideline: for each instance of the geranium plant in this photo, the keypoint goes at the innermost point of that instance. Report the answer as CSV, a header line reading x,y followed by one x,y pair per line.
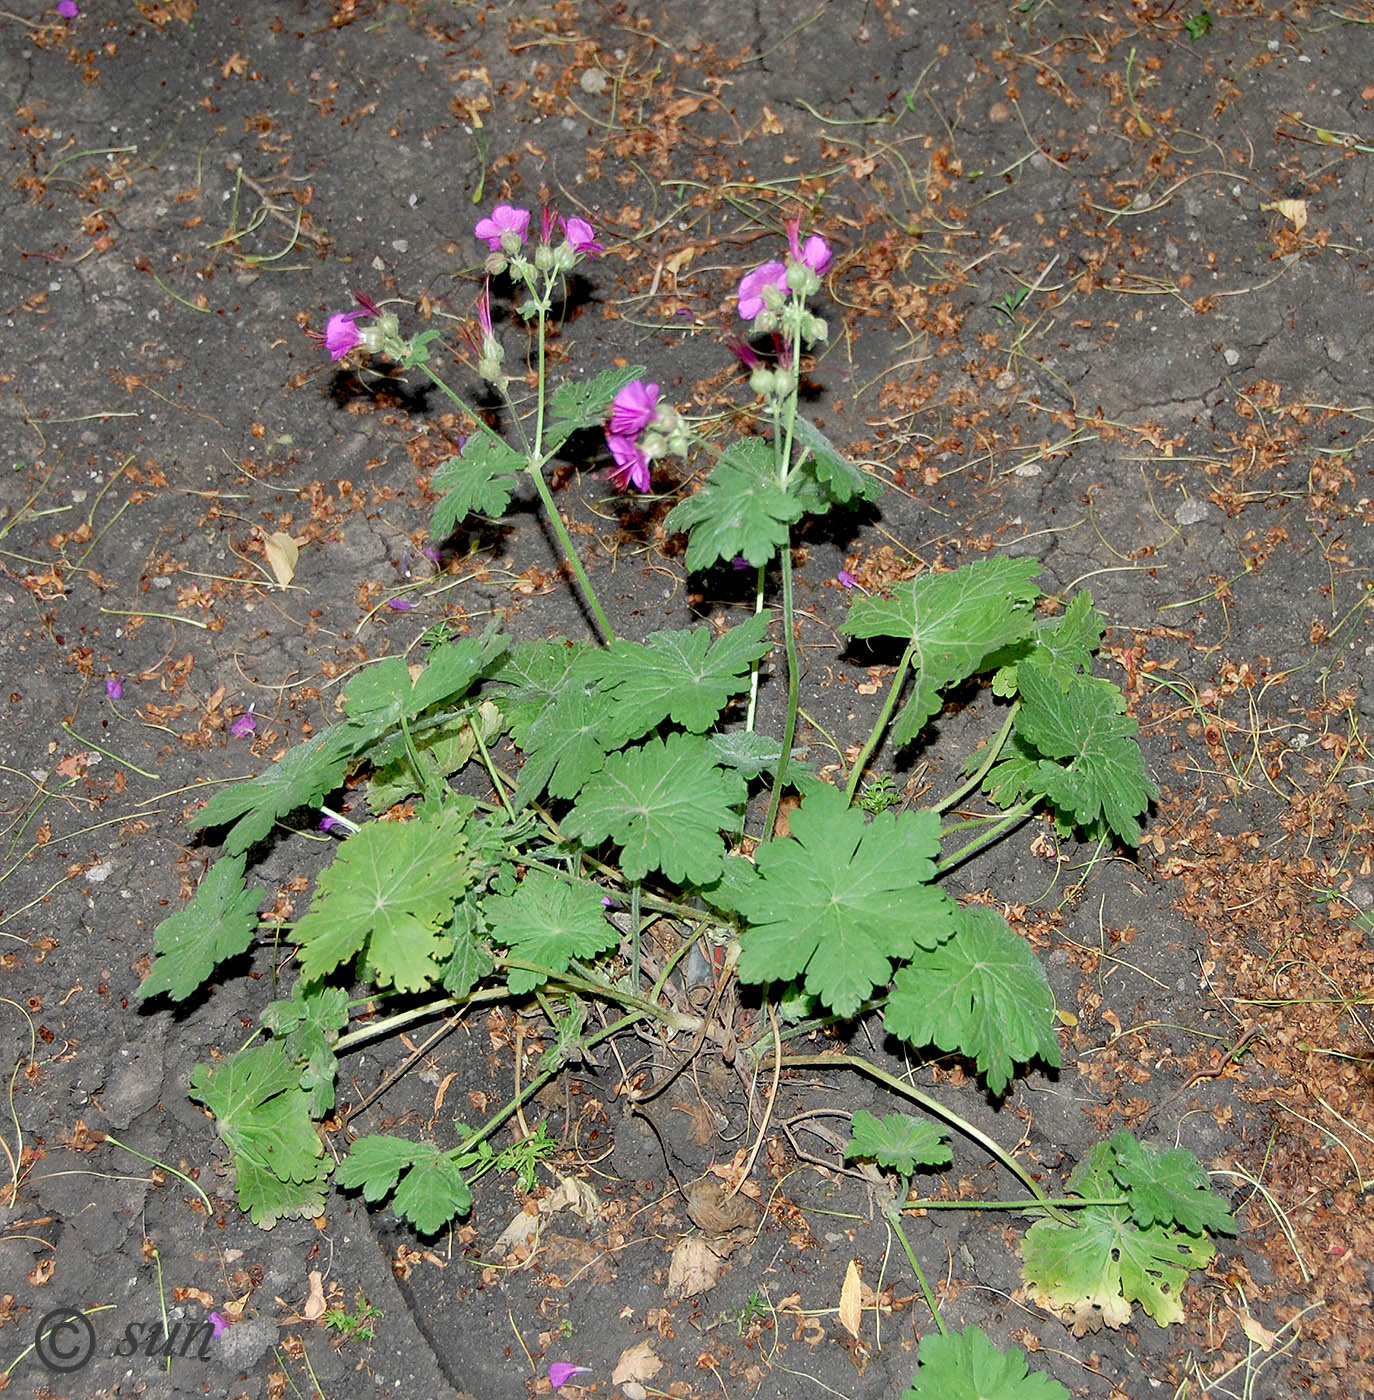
x,y
642,787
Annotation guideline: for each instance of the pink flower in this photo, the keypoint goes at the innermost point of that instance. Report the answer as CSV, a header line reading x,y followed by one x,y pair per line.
x,y
845,579
244,725
631,465
771,274
114,687
502,220
581,237
634,408
340,334
815,252
69,9
561,1372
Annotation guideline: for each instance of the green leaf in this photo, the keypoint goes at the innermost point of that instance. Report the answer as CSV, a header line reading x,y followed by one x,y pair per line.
x,y
375,1164
557,717
664,803
382,694
390,888
470,960
898,1141
580,404
1091,1272
302,778
1066,643
479,481
740,510
966,1366
746,750
442,750
263,1116
673,675
308,1025
954,621
982,994
1080,719
842,900
431,1186
549,922
217,924
433,1191
842,480
1168,1188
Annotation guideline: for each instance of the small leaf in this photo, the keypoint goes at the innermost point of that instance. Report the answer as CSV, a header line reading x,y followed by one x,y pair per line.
x,y
898,1141
664,803
966,1366
1168,1188
982,994
218,923
550,922
954,621
1079,719
580,404
375,1164
842,480
739,511
432,1192
479,481
309,1024
842,899
302,778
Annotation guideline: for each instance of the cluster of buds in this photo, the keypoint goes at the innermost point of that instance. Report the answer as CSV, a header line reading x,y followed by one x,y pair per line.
x,y
506,228
641,430
773,296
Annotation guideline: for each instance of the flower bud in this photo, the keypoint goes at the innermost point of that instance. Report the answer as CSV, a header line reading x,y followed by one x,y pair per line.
x,y
761,382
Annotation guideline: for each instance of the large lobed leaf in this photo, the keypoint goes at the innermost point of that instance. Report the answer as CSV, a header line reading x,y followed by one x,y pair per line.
x,y
842,900
678,675
966,1366
263,1115
982,994
664,803
740,511
954,622
391,887
1092,1271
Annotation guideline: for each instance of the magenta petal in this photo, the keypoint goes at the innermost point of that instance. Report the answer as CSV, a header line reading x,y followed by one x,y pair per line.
x,y
505,218
340,334
399,604
634,408
114,687
244,725
632,466
68,9
751,287
561,1372
218,1325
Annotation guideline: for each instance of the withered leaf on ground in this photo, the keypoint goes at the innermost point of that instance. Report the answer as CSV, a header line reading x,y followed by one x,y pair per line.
x,y
637,1363
715,1213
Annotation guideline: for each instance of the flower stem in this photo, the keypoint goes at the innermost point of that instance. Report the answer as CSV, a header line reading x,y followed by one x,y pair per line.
x,y
955,1120
893,1213
880,727
569,553
789,727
